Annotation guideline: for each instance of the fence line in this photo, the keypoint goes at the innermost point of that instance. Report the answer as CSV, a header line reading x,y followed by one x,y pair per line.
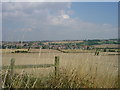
x,y
12,66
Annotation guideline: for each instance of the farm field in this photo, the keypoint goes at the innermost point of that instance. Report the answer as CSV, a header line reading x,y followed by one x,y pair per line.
x,y
104,68
64,42
106,45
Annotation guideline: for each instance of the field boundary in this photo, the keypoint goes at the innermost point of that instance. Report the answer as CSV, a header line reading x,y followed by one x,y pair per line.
x,y
12,66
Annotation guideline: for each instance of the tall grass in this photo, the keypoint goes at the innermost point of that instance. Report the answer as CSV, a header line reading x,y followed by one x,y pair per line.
x,y
78,70
64,79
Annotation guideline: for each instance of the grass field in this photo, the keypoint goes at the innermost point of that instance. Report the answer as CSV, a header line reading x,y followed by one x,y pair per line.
x,y
102,70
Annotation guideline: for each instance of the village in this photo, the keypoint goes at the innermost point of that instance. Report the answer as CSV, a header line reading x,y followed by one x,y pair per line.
x,y
62,44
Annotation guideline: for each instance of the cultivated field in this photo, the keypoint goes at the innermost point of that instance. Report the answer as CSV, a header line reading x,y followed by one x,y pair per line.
x,y
107,46
102,70
64,42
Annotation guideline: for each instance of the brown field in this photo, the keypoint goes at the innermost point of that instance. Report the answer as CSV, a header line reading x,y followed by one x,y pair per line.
x,y
106,46
31,50
78,51
104,68
63,42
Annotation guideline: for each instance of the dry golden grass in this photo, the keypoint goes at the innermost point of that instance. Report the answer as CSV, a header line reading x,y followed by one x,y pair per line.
x,y
77,51
102,69
31,50
64,42
12,50
106,46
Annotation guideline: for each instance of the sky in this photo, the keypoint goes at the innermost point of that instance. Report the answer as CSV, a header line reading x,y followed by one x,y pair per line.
x,y
30,21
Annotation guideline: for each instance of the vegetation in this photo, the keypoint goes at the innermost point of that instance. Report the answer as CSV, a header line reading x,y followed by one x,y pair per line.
x,y
72,44
20,51
81,65
64,79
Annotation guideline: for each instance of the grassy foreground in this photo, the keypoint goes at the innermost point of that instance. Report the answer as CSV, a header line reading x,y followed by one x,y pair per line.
x,y
64,79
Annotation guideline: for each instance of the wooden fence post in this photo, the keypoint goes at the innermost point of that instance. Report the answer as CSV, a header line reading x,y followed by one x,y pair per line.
x,y
12,64
56,65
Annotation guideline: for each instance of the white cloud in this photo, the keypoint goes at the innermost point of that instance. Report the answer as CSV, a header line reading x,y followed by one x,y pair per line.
x,y
66,16
47,19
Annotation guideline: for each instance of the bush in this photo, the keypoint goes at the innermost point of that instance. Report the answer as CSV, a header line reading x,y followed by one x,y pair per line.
x,y
20,51
111,50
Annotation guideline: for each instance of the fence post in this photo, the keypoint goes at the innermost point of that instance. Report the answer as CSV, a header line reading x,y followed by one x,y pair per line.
x,y
56,65
12,66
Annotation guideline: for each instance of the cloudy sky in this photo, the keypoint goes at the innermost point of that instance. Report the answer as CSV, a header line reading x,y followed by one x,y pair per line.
x,y
59,21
